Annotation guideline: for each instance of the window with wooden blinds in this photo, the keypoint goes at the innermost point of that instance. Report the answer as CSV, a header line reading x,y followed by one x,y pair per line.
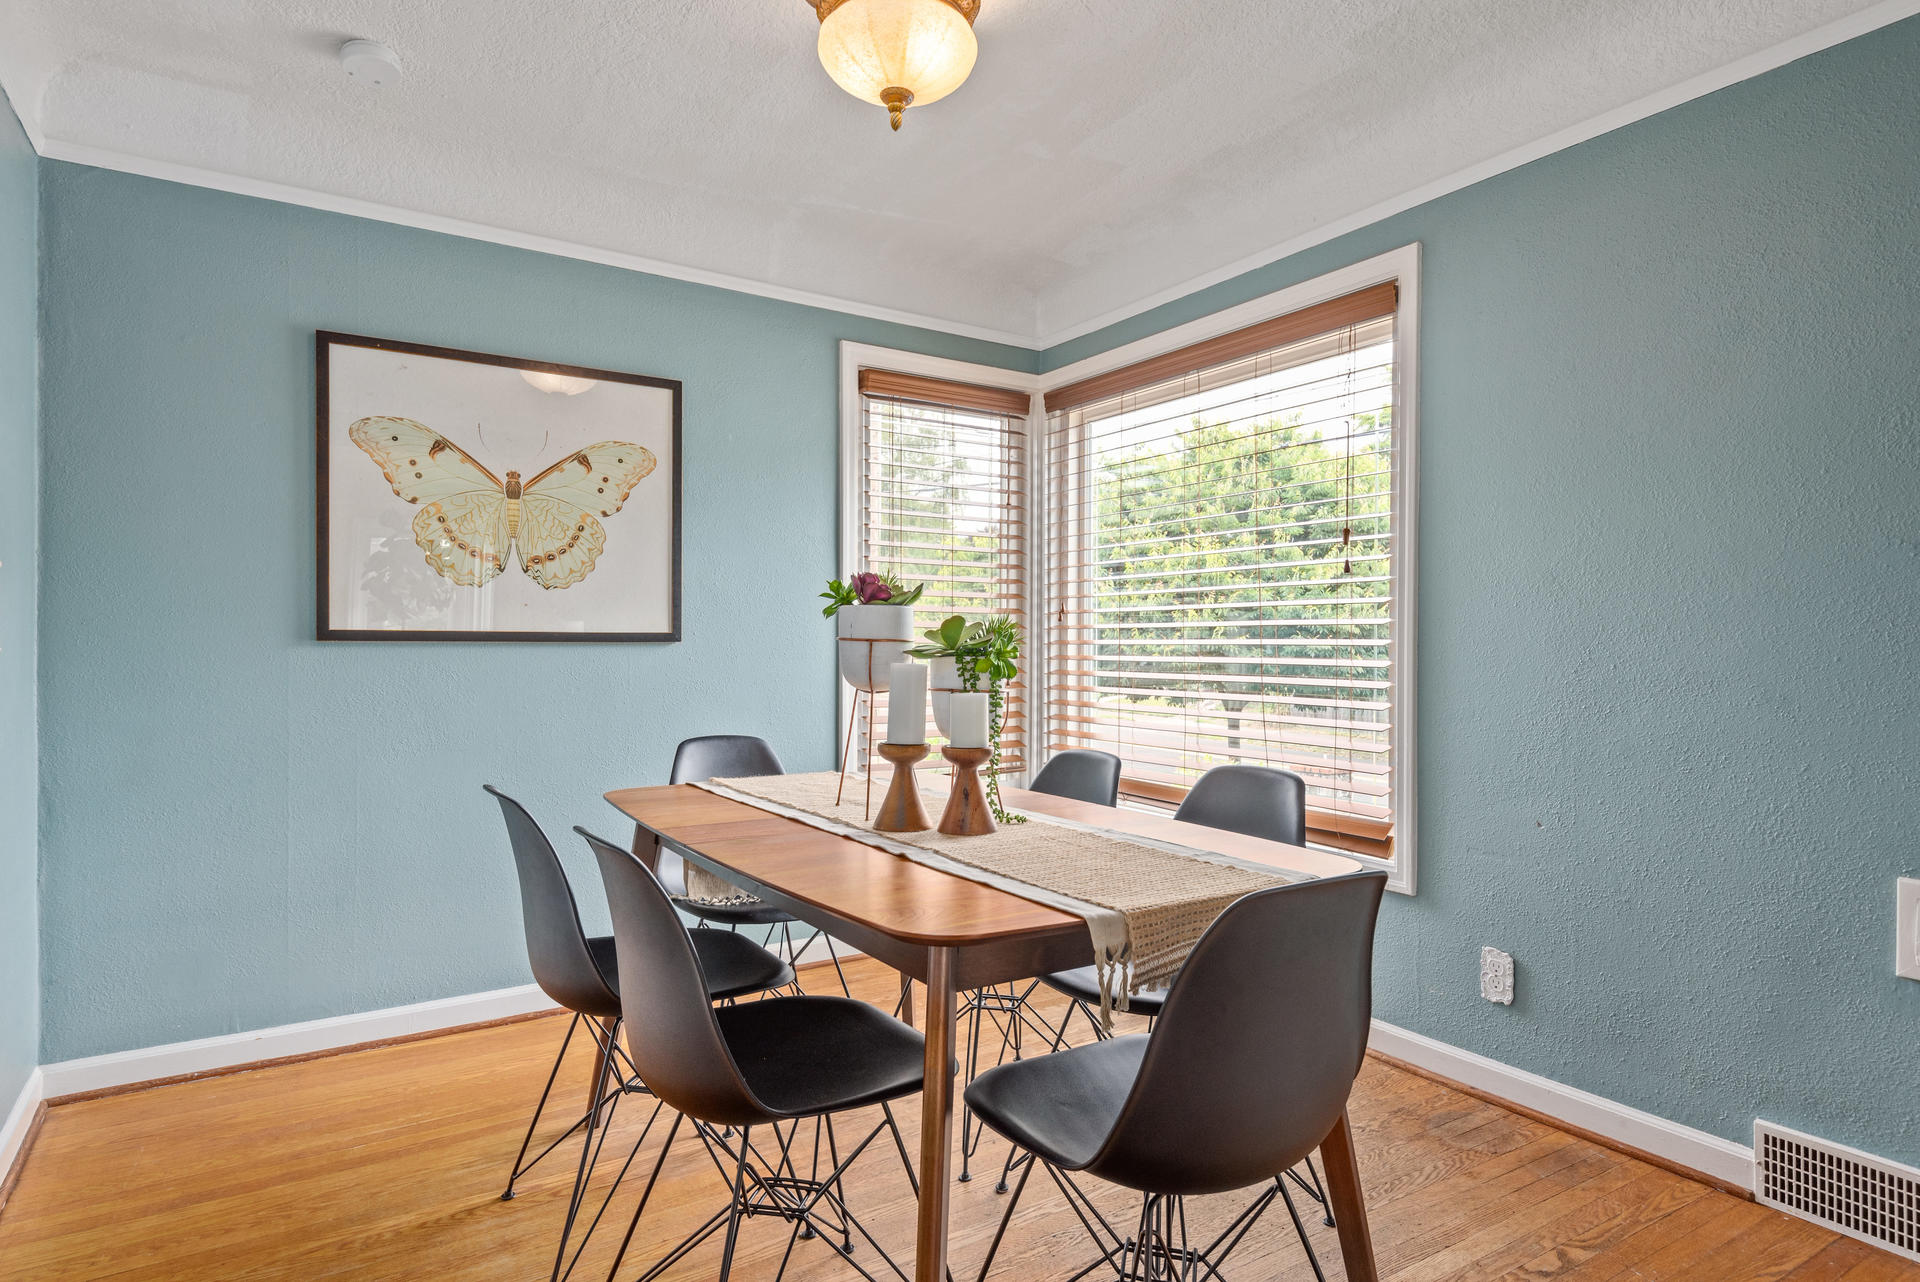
x,y
1220,543
943,496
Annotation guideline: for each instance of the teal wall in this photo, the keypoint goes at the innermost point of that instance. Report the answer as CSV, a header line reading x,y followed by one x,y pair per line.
x,y
244,827
1670,602
1670,605
19,532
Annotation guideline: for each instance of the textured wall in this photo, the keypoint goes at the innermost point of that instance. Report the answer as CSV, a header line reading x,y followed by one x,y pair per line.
x,y
19,512
1670,617
244,827
1670,602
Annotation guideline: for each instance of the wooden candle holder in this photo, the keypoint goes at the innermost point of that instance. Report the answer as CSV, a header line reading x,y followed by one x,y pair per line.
x,y
900,809
967,814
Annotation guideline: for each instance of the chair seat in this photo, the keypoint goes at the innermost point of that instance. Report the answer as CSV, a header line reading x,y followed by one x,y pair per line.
x,y
732,964
1061,1106
754,912
803,1056
1084,985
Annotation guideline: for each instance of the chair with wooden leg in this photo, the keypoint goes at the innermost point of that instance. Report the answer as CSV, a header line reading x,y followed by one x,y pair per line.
x,y
734,756
1246,1072
580,974
767,1067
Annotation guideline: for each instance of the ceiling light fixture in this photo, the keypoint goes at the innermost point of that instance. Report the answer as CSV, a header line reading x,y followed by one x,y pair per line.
x,y
898,53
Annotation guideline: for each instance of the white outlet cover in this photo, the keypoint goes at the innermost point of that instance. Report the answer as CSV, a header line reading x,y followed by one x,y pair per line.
x,y
1906,918
1496,976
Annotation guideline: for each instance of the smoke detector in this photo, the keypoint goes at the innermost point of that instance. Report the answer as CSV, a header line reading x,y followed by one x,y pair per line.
x,y
370,63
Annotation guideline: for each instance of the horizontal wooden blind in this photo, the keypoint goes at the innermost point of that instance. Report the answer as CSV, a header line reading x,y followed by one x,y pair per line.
x,y
1329,317
1220,569
943,502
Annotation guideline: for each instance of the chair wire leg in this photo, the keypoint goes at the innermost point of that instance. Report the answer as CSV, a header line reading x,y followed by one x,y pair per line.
x,y
517,1170
1316,1190
619,1177
737,1209
971,1129
825,938
993,1247
900,1143
589,1153
1301,1229
646,1193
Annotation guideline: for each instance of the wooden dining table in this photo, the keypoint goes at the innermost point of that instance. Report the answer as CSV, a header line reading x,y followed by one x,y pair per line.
x,y
952,934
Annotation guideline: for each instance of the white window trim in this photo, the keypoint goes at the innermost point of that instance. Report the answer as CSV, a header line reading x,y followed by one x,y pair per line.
x,y
1401,265
855,357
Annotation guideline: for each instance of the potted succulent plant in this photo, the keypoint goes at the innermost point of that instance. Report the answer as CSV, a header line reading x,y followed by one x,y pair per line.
x,y
873,619
983,654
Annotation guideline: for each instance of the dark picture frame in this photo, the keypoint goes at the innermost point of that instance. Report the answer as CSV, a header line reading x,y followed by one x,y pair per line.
x,y
325,343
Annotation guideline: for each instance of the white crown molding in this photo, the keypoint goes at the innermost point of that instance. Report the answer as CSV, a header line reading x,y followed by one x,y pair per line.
x,y
13,1133
192,176
1722,1159
1822,37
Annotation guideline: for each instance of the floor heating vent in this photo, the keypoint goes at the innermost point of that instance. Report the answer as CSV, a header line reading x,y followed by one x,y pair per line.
x,y
1856,1193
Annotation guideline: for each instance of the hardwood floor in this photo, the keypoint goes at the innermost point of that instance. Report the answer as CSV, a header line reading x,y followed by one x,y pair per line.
x,y
388,1163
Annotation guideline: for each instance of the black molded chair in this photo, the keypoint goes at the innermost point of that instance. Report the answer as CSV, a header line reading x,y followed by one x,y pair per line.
x,y
1258,801
1082,774
735,1069
734,756
580,974
1247,1070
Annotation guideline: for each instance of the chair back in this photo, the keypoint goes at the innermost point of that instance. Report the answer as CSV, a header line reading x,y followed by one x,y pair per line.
x,y
562,964
671,1033
711,756
1082,774
723,756
1256,800
1251,1062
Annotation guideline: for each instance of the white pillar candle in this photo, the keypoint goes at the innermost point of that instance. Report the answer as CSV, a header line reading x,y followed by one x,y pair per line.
x,y
906,703
969,718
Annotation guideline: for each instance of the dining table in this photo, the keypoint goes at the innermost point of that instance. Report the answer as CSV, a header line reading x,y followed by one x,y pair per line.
x,y
953,934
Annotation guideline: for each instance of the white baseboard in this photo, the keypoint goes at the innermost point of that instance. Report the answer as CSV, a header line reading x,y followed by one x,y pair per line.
x,y
124,1068
13,1133
1722,1159
1711,1155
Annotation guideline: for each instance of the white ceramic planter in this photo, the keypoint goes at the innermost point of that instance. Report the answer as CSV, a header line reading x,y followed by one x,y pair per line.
x,y
872,637
943,682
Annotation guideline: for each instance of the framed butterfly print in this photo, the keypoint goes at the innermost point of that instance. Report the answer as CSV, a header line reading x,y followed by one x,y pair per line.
x,y
469,497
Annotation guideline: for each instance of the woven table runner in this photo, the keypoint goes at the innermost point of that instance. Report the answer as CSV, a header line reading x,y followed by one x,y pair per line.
x,y
1145,903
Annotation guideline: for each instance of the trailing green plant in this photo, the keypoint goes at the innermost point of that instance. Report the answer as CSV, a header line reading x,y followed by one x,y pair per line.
x,y
868,588
986,649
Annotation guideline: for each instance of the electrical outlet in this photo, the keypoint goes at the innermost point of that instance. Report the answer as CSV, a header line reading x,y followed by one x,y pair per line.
x,y
1906,928
1496,976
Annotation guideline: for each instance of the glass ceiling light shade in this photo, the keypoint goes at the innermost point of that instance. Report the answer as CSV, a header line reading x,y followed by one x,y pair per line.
x,y
898,53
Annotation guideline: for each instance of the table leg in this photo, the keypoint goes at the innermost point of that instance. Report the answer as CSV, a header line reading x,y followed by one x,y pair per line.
x,y
599,1060
936,1121
1349,1206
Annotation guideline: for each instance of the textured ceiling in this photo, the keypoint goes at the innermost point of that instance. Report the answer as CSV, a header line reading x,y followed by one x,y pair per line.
x,y
1104,151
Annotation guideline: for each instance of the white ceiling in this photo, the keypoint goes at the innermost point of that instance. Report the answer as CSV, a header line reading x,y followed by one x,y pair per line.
x,y
1105,153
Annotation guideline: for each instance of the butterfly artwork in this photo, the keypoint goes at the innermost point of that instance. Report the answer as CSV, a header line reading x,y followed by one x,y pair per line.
x,y
559,520
471,523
